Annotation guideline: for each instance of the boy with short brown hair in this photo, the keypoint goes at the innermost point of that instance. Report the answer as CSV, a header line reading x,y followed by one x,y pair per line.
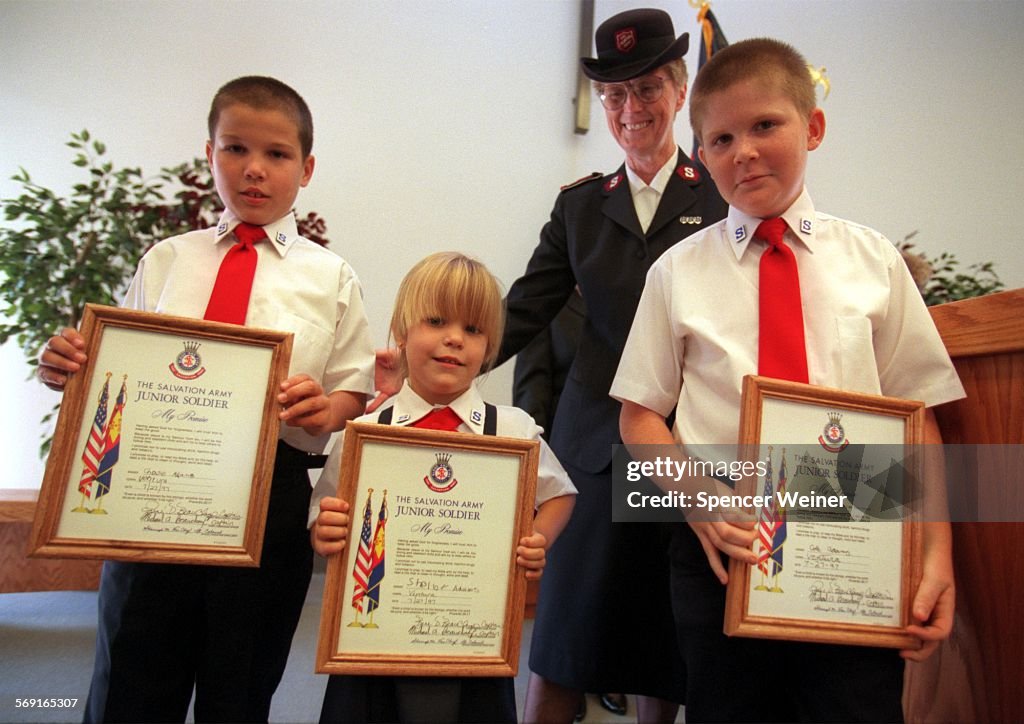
x,y
860,325
166,630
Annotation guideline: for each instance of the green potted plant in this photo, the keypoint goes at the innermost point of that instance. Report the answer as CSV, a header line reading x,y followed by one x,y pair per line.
x,y
940,278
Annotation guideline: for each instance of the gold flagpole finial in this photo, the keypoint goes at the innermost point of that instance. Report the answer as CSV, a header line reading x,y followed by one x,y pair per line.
x,y
820,77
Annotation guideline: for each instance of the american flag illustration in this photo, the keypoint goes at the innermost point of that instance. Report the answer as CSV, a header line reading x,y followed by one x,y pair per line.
x,y
361,570
95,443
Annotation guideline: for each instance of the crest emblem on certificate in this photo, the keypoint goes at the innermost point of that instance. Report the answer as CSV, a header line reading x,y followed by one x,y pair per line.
x,y
188,365
833,437
442,476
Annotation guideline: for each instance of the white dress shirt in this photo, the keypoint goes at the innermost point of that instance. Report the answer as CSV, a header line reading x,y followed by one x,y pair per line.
x,y
695,334
646,197
299,287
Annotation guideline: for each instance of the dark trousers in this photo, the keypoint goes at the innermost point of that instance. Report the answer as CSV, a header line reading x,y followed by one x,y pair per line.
x,y
746,679
604,616
165,630
415,699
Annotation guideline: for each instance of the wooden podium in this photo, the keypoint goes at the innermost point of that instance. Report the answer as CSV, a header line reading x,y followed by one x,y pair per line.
x,y
978,674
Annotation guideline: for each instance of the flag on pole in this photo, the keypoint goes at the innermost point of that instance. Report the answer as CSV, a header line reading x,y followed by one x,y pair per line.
x,y
766,521
377,563
94,443
361,570
712,39
111,444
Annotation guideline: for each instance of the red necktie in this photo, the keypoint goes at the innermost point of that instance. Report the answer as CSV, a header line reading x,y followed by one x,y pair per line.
x,y
781,350
229,300
440,418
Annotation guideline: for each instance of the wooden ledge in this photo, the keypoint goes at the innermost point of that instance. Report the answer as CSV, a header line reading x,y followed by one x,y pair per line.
x,y
18,505
19,573
992,324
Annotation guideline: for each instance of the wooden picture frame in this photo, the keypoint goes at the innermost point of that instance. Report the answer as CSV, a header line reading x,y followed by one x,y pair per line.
x,y
850,570
165,443
450,600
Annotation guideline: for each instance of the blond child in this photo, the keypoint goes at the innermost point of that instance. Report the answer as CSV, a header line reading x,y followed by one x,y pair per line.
x,y
865,328
447,324
166,631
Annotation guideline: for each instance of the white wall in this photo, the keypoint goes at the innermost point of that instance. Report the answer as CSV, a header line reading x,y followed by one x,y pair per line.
x,y
447,124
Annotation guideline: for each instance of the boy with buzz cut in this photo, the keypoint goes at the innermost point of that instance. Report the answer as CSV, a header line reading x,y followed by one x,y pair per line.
x,y
860,325
224,633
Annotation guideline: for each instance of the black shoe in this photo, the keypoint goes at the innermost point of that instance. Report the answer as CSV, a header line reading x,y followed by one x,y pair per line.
x,y
615,703
581,713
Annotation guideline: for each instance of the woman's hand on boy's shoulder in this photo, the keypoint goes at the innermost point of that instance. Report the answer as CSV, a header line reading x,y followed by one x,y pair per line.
x,y
330,530
62,355
387,377
531,554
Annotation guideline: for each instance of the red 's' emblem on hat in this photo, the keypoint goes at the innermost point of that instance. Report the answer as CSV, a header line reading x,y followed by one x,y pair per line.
x,y
625,40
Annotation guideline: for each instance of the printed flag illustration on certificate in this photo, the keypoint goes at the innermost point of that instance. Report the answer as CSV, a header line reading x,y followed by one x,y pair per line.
x,y
368,571
102,450
771,529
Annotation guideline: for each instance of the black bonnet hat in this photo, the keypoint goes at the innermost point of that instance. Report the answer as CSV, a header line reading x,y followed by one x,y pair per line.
x,y
633,43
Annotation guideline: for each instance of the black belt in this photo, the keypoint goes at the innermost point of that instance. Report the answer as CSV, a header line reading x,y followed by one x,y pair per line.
x,y
288,455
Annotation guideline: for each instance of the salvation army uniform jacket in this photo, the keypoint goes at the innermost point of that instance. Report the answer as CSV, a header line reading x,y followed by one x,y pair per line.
x,y
594,239
543,365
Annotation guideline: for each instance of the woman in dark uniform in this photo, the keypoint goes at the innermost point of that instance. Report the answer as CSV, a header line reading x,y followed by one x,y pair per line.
x,y
604,620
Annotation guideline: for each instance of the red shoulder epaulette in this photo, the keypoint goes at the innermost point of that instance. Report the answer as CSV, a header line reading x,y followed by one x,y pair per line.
x,y
580,181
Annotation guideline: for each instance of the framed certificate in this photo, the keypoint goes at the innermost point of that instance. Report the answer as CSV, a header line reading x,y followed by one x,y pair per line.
x,y
836,500
165,443
428,583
